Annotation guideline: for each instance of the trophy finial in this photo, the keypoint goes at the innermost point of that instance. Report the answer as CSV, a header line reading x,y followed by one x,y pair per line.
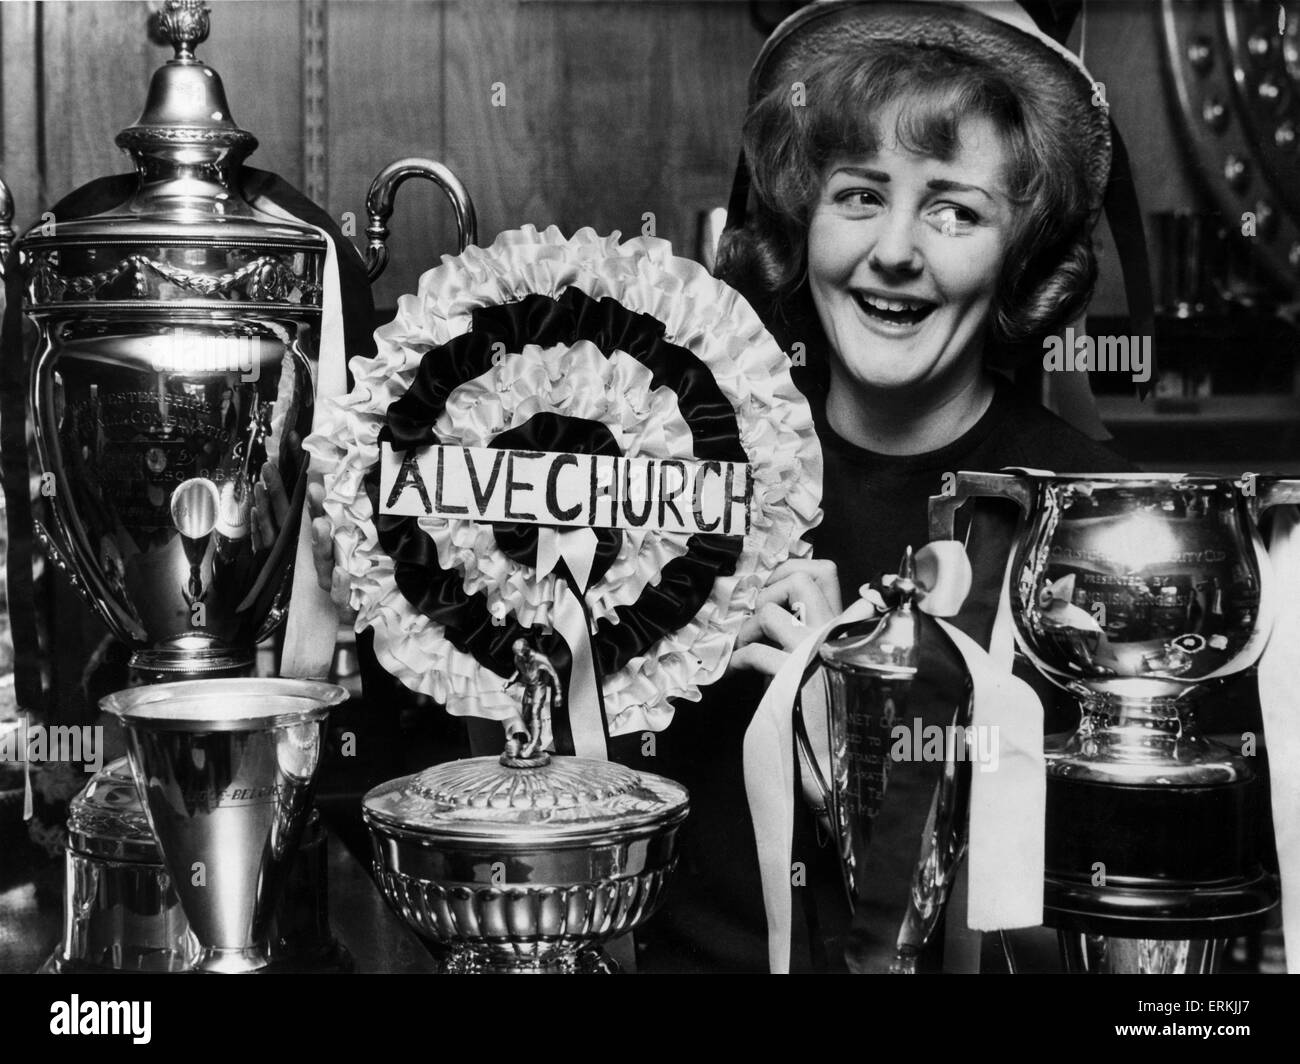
x,y
903,583
184,23
542,693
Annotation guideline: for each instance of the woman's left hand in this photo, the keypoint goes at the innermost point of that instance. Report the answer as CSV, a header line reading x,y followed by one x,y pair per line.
x,y
800,595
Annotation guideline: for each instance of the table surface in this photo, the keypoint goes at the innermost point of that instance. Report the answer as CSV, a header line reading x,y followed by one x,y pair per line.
x,y
31,911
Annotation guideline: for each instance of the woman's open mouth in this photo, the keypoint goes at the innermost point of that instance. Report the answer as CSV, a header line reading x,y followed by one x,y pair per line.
x,y
898,312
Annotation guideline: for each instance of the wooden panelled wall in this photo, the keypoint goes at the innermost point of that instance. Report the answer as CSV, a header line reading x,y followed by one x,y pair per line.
x,y
611,110
612,107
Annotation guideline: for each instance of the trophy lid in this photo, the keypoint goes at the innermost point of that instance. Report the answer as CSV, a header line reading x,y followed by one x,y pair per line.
x,y
187,101
555,798
526,796
107,819
188,151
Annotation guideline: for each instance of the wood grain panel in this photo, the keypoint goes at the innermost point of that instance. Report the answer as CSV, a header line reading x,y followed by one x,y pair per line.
x,y
19,164
385,77
97,63
511,157
613,110
256,47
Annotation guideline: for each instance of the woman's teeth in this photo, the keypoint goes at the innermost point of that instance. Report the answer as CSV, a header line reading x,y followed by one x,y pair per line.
x,y
896,311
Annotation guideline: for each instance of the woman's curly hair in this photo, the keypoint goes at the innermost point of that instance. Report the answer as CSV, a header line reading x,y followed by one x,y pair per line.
x,y
795,132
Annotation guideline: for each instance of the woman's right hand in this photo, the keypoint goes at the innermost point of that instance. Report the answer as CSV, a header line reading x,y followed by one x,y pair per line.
x,y
329,576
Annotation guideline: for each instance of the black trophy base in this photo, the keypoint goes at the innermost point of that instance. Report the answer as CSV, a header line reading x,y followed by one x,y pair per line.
x,y
1155,861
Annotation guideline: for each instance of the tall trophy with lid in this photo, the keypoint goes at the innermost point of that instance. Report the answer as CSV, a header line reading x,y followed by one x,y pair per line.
x,y
171,386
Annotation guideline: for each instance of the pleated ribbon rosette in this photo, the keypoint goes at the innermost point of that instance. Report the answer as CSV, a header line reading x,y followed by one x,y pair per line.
x,y
547,346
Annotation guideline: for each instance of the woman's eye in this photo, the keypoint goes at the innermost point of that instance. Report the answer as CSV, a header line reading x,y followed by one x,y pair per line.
x,y
952,218
858,200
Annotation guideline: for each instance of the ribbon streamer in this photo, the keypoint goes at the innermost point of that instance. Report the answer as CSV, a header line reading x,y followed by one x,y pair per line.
x,y
576,549
1008,808
943,572
312,626
1278,668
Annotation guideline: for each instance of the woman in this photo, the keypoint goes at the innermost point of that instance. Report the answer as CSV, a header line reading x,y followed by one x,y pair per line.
x,y
920,211
924,190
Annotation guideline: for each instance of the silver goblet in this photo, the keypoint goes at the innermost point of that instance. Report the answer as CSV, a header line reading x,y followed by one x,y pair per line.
x,y
1140,594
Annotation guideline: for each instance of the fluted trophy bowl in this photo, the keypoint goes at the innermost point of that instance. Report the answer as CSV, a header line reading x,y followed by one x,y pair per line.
x,y
173,460
525,867
1141,594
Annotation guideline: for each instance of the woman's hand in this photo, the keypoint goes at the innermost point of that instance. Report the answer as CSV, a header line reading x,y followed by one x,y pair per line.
x,y
801,594
329,576
270,508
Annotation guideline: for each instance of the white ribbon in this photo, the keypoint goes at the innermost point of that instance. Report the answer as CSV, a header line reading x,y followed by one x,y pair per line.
x,y
1278,668
769,741
312,626
1008,806
577,549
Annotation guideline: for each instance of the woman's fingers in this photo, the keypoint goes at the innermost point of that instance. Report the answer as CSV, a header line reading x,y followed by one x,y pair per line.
x,y
263,530
822,572
275,492
316,499
322,546
340,589
757,657
322,552
322,536
802,596
773,625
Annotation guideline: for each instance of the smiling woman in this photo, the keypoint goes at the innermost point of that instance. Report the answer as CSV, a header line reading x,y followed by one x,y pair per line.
x,y
924,182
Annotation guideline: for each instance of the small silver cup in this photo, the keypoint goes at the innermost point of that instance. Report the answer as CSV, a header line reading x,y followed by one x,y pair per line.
x,y
226,770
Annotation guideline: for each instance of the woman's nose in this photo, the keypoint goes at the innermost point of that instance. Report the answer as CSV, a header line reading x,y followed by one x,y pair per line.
x,y
895,250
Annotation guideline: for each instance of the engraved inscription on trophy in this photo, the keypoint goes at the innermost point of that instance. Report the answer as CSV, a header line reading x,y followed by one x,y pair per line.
x,y
868,739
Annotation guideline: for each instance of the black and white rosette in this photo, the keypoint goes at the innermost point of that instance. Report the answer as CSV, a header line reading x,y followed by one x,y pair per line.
x,y
594,446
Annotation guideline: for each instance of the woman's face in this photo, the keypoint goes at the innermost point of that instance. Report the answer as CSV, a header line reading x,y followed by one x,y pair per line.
x,y
904,254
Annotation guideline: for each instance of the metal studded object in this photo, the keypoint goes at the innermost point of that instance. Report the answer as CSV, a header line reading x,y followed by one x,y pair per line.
x,y
1233,71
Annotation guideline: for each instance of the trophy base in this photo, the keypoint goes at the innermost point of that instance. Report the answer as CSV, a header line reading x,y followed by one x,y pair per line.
x,y
165,664
240,960
121,913
1107,955
485,960
1155,861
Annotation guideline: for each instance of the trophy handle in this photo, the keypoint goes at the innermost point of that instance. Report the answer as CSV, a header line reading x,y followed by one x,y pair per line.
x,y
6,225
51,549
944,507
806,748
1277,492
383,192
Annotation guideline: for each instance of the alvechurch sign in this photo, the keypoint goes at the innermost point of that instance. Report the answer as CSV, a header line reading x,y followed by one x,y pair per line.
x,y
566,489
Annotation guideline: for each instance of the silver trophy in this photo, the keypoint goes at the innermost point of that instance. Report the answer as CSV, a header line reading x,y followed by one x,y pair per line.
x,y
869,667
172,385
527,862
1140,594
226,769
173,379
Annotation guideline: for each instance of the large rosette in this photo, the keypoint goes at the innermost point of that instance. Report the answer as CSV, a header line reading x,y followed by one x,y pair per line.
x,y
586,346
